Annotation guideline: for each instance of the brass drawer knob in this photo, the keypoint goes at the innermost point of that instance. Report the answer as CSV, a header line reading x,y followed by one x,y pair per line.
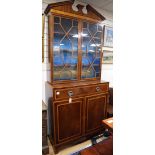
x,y
98,89
70,93
58,93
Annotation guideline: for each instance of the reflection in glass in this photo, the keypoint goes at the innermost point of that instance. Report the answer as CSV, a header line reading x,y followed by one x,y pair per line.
x,y
99,27
97,68
65,49
65,74
90,73
91,50
56,49
98,74
85,61
73,31
98,35
66,24
92,29
58,61
84,25
58,37
56,20
58,28
75,23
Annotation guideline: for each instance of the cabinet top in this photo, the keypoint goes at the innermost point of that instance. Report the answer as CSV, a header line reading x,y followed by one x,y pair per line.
x,y
66,7
74,84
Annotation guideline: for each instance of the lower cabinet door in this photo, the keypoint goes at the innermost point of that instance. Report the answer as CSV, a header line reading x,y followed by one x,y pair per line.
x,y
68,119
96,106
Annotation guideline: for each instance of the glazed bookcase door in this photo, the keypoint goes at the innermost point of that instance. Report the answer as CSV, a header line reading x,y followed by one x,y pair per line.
x,y
91,50
65,49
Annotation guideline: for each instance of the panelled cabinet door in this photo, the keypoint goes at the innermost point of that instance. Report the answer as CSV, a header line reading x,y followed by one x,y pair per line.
x,y
95,112
68,119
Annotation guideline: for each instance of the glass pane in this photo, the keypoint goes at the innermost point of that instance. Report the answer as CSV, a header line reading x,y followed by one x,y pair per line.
x,y
99,28
84,25
90,73
98,35
75,23
97,68
91,56
65,49
56,49
96,65
74,32
85,61
83,74
73,36
56,20
58,61
85,41
66,24
74,40
92,29
58,28
56,75
91,50
58,37
97,74
57,68
74,74
85,37
98,53
97,61
65,75
74,61
75,51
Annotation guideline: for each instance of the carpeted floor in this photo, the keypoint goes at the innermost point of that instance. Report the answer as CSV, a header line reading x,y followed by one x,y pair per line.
x,y
72,149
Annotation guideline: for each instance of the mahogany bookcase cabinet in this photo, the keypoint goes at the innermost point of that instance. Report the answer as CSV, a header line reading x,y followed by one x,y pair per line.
x,y
78,96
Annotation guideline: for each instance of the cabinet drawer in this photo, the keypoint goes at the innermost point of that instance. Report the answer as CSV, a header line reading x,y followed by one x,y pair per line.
x,y
80,91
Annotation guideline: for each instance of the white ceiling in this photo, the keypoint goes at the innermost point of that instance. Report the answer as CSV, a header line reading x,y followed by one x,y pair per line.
x,y
105,7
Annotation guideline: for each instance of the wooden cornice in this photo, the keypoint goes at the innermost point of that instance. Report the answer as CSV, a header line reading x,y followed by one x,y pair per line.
x,y
53,5
67,9
89,7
